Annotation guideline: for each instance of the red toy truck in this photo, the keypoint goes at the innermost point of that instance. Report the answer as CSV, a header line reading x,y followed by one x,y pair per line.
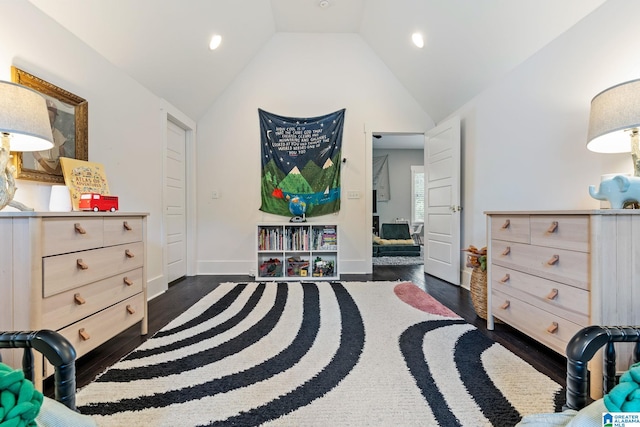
x,y
97,202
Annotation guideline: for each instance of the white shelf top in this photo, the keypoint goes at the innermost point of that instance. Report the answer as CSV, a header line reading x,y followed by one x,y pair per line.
x,y
575,212
37,214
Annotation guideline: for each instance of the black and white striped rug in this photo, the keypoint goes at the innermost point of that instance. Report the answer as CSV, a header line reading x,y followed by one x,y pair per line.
x,y
318,354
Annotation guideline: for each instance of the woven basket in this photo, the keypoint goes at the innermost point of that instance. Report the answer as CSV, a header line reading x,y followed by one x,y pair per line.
x,y
478,287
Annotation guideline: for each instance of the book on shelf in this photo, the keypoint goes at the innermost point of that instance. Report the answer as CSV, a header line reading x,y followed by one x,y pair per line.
x,y
297,239
270,239
326,238
82,176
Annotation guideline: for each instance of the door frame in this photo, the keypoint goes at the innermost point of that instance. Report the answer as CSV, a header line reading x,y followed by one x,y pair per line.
x,y
368,135
170,113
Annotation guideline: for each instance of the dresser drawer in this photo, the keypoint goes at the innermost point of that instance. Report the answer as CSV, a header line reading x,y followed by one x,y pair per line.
x,y
562,231
89,333
68,271
560,265
64,235
551,330
70,306
565,301
513,228
122,230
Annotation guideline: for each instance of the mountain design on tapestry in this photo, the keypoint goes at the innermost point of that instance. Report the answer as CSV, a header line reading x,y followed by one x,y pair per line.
x,y
295,182
311,180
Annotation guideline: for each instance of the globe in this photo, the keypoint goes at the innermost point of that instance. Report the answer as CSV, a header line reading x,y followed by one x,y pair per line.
x,y
297,206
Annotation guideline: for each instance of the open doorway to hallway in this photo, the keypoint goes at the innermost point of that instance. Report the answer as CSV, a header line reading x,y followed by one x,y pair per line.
x,y
398,190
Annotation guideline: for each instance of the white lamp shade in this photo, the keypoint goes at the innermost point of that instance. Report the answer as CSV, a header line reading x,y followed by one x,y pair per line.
x,y
24,116
614,111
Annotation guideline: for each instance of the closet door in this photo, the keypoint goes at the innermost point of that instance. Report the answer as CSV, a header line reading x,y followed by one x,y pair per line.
x,y
176,220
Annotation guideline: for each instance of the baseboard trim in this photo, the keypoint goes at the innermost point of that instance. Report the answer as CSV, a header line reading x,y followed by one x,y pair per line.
x,y
466,278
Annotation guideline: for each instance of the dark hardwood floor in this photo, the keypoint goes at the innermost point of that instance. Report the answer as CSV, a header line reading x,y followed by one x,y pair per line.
x,y
185,292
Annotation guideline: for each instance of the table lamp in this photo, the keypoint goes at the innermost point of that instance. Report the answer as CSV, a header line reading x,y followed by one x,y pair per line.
x,y
24,126
614,121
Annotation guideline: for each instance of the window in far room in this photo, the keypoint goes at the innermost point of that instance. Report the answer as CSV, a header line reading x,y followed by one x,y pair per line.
x,y
417,194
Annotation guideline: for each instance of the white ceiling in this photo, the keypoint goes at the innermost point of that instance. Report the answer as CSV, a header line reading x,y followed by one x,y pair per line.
x,y
470,44
394,141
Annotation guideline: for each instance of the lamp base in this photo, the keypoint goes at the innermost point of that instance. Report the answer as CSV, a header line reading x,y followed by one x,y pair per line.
x,y
20,206
635,152
7,181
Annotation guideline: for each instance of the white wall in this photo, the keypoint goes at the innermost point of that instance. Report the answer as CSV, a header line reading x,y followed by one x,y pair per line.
x,y
400,162
524,139
299,75
125,126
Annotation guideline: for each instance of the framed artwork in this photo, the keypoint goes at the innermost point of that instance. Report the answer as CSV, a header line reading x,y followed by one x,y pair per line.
x,y
68,114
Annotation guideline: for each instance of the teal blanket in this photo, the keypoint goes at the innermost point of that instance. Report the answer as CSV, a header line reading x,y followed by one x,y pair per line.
x,y
625,397
20,402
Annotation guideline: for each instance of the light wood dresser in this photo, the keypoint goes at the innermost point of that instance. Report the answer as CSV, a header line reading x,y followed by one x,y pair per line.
x,y
551,273
82,274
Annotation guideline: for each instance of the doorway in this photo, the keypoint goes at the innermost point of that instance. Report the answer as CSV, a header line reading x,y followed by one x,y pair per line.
x,y
395,157
441,227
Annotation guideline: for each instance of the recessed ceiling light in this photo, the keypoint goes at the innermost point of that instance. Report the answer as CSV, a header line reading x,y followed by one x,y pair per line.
x,y
324,3
418,40
215,41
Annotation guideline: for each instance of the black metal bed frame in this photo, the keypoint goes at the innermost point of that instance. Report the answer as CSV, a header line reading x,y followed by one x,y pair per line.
x,y
581,349
57,350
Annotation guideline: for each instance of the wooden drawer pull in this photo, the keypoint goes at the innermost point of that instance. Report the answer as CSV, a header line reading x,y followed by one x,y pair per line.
x,y
506,251
505,279
506,305
79,228
553,228
553,294
81,264
553,328
130,309
84,335
127,281
128,253
126,226
506,224
554,260
78,299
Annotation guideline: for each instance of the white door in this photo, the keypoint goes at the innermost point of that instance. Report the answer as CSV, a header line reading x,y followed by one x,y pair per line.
x,y
442,201
175,194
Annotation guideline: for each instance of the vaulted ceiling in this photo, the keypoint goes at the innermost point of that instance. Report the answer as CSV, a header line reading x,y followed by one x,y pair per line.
x,y
469,44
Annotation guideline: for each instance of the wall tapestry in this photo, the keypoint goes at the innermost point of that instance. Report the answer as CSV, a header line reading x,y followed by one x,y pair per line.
x,y
301,164
381,178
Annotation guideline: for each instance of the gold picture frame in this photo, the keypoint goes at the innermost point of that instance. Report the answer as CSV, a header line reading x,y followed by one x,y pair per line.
x,y
70,120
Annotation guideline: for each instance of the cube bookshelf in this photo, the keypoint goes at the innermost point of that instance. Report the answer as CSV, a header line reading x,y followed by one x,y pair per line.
x,y
297,252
